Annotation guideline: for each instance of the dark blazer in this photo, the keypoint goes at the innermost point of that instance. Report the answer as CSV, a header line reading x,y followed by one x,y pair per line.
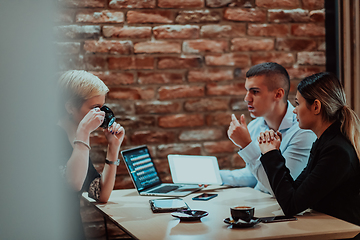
x,y
330,183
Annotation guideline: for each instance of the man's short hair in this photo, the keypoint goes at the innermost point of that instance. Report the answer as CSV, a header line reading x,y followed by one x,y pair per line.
x,y
276,76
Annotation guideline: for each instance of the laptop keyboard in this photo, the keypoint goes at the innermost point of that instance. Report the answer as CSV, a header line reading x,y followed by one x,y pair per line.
x,y
164,189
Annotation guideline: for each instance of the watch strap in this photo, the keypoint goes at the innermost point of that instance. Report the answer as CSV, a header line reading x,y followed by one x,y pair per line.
x,y
117,162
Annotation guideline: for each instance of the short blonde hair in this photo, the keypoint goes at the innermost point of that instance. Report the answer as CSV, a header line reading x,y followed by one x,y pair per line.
x,y
77,86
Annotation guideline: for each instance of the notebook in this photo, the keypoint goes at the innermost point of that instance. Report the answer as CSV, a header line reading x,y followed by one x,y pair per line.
x,y
193,169
146,178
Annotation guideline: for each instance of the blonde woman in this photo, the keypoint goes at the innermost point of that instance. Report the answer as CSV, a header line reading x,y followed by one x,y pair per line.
x,y
331,181
82,94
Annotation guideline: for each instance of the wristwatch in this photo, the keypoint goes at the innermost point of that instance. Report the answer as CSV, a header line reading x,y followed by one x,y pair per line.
x,y
117,162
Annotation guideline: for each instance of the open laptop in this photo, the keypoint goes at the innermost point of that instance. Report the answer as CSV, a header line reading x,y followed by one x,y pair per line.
x,y
146,178
194,169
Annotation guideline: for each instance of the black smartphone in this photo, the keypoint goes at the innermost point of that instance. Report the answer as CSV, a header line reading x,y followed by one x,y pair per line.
x,y
277,219
205,196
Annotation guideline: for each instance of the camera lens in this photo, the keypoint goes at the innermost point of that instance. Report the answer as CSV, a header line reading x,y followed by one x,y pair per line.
x,y
109,117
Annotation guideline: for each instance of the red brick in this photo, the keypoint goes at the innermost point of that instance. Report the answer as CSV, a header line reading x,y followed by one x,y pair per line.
x,y
75,31
176,31
124,108
128,4
157,107
180,91
302,72
156,16
180,3
152,137
225,90
252,44
310,30
206,104
127,32
286,44
217,3
273,30
228,59
185,149
97,155
67,47
113,78
105,16
313,4
210,75
198,16
245,14
157,47
136,122
179,62
317,15
93,62
133,93
243,4
238,104
281,58
286,16
69,62
218,119
64,16
277,3
130,63
203,45
293,88
82,3
201,134
224,161
237,162
220,147
322,46
311,58
241,72
161,77
223,31
113,46
181,120
98,138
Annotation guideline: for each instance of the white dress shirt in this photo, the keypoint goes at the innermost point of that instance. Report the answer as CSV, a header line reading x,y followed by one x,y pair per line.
x,y
295,147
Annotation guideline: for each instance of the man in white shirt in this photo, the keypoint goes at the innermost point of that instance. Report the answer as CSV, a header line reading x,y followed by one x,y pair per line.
x,y
267,86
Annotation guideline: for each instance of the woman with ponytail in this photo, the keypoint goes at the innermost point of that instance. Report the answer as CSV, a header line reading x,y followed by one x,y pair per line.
x,y
330,183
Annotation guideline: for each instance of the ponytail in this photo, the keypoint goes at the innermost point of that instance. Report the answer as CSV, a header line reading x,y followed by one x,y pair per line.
x,y
327,88
350,127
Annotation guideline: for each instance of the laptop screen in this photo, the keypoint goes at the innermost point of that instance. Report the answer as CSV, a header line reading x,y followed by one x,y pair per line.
x,y
141,167
193,169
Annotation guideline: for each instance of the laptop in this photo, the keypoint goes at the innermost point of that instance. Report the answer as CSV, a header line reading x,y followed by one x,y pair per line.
x,y
193,169
146,178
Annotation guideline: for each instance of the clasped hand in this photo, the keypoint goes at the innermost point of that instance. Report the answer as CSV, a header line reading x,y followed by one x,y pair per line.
x,y
269,140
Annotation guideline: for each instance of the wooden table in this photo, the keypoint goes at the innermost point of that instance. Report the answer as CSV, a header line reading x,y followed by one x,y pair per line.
x,y
132,214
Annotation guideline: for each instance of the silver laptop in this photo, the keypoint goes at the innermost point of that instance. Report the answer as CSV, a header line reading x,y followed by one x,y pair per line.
x,y
193,169
146,178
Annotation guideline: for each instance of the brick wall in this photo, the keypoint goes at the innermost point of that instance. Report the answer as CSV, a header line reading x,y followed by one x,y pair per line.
x,y
175,68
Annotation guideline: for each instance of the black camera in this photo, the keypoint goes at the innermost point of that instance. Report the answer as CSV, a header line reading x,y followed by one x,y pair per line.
x,y
109,117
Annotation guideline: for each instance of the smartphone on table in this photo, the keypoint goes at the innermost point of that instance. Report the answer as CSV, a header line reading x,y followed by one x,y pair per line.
x,y
277,219
205,196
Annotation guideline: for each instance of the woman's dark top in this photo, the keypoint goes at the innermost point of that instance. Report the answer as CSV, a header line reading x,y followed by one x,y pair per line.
x,y
330,183
72,198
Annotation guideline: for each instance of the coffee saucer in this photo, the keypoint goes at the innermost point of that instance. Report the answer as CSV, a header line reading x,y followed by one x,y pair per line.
x,y
189,215
242,224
